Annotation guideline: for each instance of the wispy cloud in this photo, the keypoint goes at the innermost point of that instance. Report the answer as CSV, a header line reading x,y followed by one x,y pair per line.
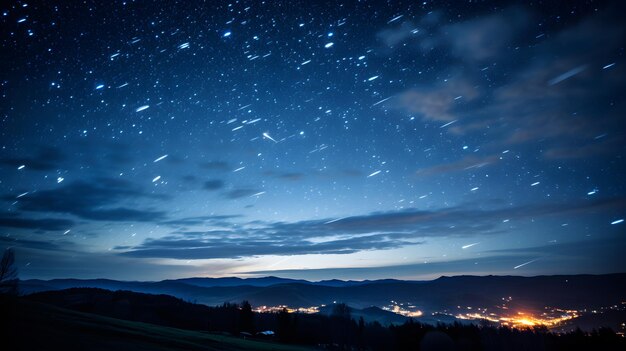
x,y
213,184
45,158
376,231
548,259
200,220
11,220
439,103
237,246
98,200
292,176
562,101
239,193
222,166
48,245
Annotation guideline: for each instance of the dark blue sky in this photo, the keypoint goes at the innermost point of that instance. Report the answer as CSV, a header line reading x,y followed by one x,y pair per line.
x,y
349,140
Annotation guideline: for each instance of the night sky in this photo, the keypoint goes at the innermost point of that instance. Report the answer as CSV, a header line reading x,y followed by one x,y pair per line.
x,y
352,140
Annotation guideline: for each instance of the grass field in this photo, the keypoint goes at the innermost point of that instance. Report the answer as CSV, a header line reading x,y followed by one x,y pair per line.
x,y
34,326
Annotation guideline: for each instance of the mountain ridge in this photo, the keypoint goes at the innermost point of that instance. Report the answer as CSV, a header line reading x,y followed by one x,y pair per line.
x,y
567,291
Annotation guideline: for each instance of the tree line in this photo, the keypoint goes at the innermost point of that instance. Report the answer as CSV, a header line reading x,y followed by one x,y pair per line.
x,y
337,330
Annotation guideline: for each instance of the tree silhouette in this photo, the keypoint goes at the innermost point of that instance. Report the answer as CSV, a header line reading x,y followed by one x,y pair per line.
x,y
8,273
246,318
342,311
286,328
342,326
360,334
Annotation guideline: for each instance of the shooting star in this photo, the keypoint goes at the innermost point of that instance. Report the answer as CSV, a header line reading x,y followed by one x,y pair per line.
x,y
523,264
335,220
265,135
381,101
469,245
395,19
449,123
160,158
566,75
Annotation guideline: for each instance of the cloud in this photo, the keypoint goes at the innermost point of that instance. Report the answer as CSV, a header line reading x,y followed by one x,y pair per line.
x,y
202,220
591,257
353,173
563,101
6,242
460,221
46,158
216,165
596,148
235,246
189,178
573,111
486,37
213,184
240,192
391,37
474,41
51,264
572,248
110,153
10,220
121,214
422,36
375,231
98,201
439,103
293,176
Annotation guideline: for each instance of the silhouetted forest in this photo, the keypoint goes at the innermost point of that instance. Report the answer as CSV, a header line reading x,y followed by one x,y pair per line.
x,y
337,331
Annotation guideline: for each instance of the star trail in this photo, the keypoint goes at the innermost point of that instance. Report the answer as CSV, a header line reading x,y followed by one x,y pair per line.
x,y
317,140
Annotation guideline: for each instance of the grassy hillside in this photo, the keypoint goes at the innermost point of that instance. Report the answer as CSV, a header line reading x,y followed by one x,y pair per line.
x,y
35,326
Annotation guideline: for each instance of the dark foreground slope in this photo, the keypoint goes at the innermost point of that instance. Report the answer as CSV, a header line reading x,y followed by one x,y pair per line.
x,y
36,326
170,311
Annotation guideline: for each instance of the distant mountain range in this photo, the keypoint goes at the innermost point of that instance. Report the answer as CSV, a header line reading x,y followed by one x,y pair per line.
x,y
562,291
446,294
215,291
